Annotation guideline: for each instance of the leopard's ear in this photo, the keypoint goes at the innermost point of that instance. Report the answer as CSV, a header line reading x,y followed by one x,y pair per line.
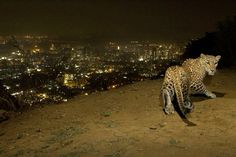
x,y
218,57
202,55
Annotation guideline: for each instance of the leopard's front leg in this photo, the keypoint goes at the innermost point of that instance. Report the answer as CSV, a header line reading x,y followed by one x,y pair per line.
x,y
200,88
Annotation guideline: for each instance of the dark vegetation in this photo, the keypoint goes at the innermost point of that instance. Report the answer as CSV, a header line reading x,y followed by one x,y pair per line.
x,y
221,42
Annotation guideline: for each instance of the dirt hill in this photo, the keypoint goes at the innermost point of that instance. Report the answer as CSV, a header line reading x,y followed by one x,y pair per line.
x,y
128,122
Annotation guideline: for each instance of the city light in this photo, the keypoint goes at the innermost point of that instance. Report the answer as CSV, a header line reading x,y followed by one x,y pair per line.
x,y
48,70
141,59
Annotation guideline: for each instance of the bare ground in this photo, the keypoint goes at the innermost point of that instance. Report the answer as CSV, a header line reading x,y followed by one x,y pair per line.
x,y
128,122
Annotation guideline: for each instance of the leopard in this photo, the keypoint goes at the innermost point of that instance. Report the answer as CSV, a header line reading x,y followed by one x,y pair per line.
x,y
182,81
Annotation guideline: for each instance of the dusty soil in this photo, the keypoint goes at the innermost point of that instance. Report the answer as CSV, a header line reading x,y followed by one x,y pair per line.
x,y
128,122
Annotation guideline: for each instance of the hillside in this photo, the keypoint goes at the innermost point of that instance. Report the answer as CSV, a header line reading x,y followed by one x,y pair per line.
x,y
128,122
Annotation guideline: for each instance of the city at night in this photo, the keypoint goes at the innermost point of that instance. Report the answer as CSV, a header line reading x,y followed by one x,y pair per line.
x,y
114,78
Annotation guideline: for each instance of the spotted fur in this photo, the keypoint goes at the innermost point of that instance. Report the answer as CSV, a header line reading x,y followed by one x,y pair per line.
x,y
176,83
198,68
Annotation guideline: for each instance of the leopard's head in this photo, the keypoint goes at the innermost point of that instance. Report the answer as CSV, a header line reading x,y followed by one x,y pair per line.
x,y
210,63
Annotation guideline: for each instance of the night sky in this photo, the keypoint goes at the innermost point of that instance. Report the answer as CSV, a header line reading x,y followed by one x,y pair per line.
x,y
166,20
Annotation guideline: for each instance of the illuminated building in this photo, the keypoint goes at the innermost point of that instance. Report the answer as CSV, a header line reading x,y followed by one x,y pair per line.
x,y
70,81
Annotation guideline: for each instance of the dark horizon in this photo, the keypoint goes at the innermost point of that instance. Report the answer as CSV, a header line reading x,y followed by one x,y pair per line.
x,y
136,19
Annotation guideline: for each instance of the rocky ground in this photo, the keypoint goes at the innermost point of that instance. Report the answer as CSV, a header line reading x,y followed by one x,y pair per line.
x,y
128,122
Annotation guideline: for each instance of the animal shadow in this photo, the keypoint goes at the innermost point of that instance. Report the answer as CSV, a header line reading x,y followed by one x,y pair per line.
x,y
201,97
182,115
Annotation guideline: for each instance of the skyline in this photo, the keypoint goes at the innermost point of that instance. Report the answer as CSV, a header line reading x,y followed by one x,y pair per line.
x,y
136,19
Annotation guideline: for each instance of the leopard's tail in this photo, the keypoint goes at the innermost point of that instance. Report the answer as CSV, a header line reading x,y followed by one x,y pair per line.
x,y
179,94
180,101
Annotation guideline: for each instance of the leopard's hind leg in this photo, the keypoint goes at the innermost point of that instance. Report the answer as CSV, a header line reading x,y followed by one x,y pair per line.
x,y
168,106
